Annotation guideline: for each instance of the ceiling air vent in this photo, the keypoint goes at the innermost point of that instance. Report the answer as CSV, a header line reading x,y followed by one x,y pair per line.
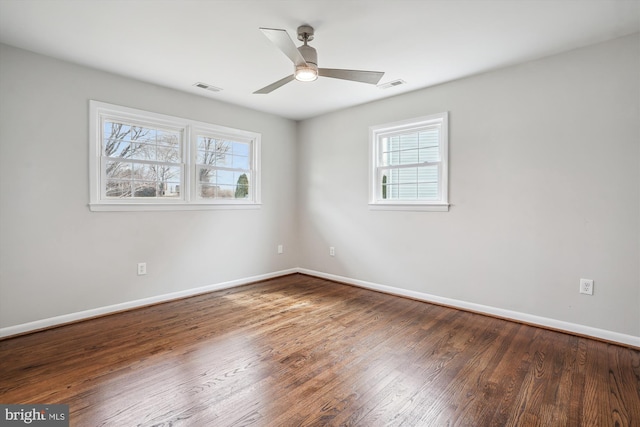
x,y
392,84
207,87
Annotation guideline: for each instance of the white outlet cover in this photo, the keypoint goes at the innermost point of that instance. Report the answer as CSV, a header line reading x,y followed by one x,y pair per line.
x,y
142,268
586,286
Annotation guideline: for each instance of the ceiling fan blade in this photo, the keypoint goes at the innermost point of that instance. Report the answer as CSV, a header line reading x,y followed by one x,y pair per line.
x,y
282,40
276,85
371,77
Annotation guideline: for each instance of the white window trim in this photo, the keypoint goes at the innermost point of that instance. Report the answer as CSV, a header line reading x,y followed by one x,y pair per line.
x,y
375,197
190,128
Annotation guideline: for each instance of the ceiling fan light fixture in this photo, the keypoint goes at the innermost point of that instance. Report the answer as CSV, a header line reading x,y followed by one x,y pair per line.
x,y
305,61
306,73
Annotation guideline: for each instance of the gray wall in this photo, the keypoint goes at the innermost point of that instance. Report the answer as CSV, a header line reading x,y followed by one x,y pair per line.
x,y
57,257
544,184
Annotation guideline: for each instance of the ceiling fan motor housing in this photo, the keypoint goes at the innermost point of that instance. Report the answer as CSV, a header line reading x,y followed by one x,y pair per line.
x,y
309,54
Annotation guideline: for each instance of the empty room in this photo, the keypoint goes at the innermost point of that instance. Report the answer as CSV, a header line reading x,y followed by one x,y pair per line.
x,y
319,213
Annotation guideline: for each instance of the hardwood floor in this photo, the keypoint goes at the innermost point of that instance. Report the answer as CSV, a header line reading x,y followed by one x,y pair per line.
x,y
299,350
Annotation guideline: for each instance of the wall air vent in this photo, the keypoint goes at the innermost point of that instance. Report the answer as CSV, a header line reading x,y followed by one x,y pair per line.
x,y
392,84
207,87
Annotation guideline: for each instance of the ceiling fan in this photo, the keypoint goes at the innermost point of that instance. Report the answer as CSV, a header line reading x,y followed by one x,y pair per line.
x,y
305,60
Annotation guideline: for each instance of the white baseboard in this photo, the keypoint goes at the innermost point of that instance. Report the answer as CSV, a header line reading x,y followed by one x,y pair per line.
x,y
101,311
545,322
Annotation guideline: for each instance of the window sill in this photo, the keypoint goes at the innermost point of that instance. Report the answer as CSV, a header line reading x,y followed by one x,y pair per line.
x,y
132,207
440,207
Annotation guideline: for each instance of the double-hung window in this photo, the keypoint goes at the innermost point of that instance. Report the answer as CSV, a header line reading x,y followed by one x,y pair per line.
x,y
223,167
147,161
409,167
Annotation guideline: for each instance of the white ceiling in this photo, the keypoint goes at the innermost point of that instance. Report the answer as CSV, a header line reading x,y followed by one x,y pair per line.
x,y
177,43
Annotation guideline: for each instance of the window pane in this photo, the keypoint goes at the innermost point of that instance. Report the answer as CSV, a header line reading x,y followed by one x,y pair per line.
x,y
225,192
404,176
408,141
144,189
224,160
142,171
169,189
394,157
168,153
142,134
430,154
116,131
241,149
117,138
128,133
393,144
118,189
408,191
209,191
428,174
240,162
212,151
243,186
141,152
409,156
429,138
206,143
206,175
168,173
392,191
428,191
223,177
118,170
168,138
206,157
117,148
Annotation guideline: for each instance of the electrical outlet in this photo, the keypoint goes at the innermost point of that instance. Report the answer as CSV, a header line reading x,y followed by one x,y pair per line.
x,y
332,251
142,268
586,286
280,249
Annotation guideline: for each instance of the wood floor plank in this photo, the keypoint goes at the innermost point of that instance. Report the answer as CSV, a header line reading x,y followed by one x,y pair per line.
x,y
299,350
